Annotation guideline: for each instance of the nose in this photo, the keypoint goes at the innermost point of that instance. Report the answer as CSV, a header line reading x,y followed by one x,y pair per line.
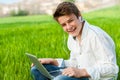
x,y
68,26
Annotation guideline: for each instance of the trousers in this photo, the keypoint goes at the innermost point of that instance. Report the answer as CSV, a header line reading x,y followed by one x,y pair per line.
x,y
54,71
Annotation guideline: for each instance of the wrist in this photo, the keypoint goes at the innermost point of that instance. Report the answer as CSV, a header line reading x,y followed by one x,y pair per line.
x,y
54,62
84,73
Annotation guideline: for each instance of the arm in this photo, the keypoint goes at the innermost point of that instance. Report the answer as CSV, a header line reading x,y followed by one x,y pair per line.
x,y
104,52
49,61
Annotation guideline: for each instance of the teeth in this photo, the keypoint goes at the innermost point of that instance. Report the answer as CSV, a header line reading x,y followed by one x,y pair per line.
x,y
71,30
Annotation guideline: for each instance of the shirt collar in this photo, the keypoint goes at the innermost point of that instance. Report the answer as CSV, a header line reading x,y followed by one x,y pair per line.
x,y
84,31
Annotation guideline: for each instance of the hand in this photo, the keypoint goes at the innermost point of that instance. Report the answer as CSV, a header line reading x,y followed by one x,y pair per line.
x,y
47,61
75,72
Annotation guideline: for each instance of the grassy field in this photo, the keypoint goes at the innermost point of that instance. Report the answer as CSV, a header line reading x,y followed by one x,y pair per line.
x,y
43,37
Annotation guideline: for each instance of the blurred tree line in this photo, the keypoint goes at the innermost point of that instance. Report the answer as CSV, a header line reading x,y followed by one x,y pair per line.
x,y
19,13
25,12
70,0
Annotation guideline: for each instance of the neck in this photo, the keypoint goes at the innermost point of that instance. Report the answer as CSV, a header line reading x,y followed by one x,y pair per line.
x,y
79,36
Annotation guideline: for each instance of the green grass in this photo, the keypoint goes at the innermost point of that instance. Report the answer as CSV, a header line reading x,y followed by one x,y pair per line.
x,y
43,37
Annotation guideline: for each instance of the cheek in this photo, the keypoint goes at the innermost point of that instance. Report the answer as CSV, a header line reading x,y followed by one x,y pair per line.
x,y
64,29
76,22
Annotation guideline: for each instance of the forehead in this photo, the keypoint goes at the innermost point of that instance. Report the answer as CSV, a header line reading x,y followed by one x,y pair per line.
x,y
65,18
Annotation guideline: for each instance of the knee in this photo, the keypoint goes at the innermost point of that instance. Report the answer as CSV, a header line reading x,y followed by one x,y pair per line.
x,y
34,70
36,74
61,77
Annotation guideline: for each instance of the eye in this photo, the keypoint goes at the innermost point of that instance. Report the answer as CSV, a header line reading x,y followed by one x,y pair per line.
x,y
63,25
71,20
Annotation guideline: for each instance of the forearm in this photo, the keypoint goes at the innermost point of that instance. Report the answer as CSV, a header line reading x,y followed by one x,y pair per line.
x,y
49,61
54,62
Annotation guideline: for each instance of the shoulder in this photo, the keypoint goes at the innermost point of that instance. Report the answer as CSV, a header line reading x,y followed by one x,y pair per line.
x,y
91,30
96,33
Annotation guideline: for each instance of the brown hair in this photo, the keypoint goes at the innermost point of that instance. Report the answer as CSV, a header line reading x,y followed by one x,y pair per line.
x,y
66,8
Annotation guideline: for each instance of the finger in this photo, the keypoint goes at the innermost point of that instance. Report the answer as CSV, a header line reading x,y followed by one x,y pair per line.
x,y
66,73
39,60
71,75
32,65
42,61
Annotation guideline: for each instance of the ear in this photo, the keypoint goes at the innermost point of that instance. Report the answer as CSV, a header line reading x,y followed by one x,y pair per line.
x,y
81,19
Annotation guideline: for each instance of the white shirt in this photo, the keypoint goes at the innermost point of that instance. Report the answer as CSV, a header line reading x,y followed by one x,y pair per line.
x,y
95,53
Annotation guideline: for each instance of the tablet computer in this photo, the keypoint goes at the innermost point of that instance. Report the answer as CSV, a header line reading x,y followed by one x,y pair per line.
x,y
39,66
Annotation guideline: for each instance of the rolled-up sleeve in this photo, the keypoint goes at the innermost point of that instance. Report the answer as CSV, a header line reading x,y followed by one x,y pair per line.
x,y
67,63
60,62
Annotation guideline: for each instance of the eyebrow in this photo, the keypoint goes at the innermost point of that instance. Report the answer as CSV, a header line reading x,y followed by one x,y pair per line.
x,y
68,20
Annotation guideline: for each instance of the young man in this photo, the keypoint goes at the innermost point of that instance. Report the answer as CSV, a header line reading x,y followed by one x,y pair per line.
x,y
92,54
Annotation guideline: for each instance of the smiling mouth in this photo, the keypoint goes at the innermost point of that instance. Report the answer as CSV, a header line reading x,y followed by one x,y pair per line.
x,y
71,31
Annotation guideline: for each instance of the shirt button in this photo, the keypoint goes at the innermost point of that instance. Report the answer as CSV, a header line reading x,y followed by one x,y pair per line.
x,y
78,66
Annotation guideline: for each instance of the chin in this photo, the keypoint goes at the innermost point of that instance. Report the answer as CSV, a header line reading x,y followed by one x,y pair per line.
x,y
73,35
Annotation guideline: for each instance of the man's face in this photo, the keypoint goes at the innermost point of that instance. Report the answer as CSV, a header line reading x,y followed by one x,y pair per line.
x,y
70,24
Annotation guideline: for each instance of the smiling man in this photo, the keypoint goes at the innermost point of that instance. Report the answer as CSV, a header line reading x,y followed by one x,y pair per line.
x,y
72,25
92,51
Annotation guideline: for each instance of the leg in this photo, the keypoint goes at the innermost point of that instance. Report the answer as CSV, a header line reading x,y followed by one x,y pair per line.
x,y
36,75
62,77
